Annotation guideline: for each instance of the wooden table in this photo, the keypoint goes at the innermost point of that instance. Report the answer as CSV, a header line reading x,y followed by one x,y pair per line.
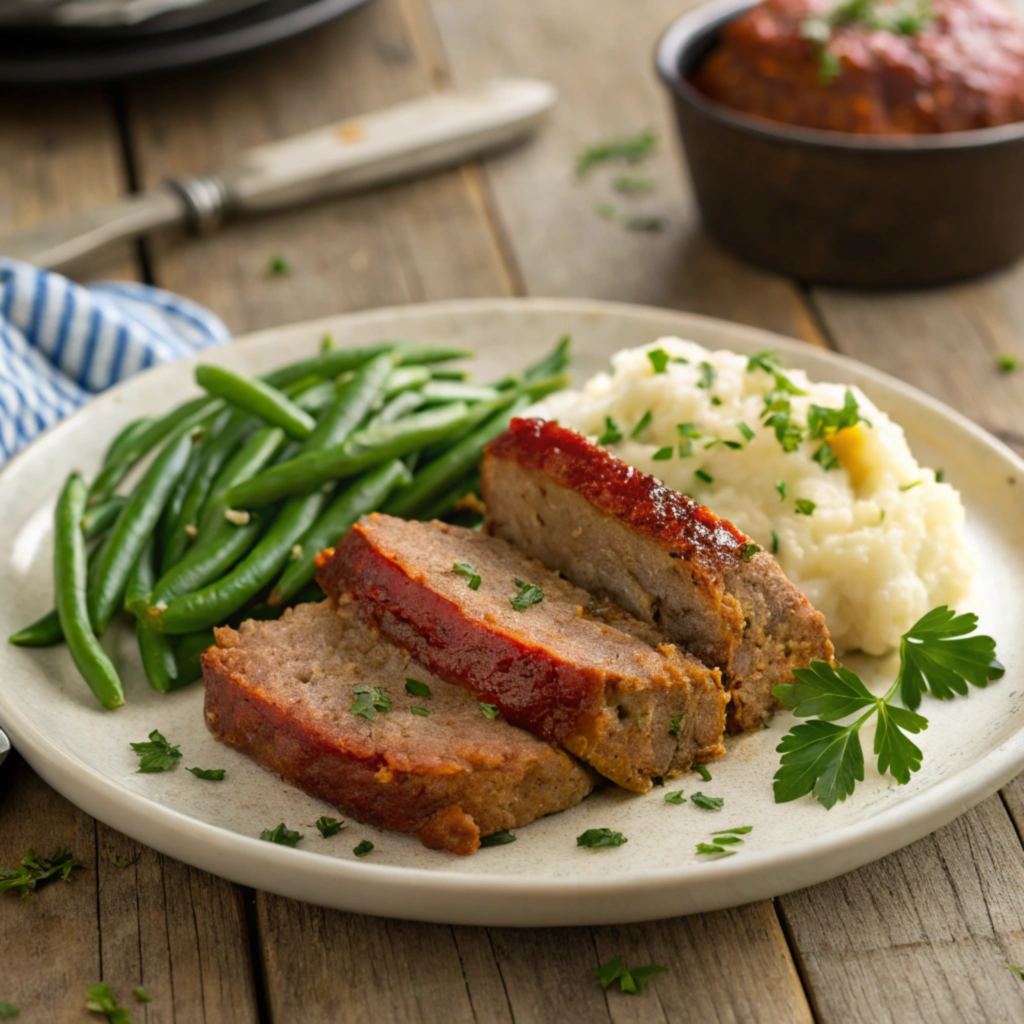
x,y
924,935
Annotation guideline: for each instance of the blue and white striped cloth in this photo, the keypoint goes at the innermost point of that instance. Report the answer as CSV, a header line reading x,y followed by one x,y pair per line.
x,y
61,342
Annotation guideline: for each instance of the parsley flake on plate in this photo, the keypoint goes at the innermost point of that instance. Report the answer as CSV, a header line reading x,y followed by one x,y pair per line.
x,y
282,835
1008,363
631,981
417,689
595,838
33,870
490,710
702,771
156,755
209,774
632,185
328,827
606,211
643,222
472,576
363,848
502,838
675,797
529,594
369,700
714,848
278,266
708,803
612,434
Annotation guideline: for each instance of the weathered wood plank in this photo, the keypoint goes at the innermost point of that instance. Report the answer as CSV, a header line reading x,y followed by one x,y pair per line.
x,y
927,934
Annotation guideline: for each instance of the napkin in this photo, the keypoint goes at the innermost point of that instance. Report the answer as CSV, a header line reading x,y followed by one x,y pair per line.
x,y
61,343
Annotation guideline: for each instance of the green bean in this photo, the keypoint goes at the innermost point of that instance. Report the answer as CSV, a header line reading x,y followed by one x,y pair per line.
x,y
317,396
551,365
255,396
101,517
336,361
188,649
44,632
363,495
437,392
364,449
445,373
445,503
70,572
125,439
155,649
184,416
439,475
354,400
135,523
401,405
406,378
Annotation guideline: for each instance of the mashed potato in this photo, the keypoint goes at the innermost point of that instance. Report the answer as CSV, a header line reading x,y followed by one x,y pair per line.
x,y
871,537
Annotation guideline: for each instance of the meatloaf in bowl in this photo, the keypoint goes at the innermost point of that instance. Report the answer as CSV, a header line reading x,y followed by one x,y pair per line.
x,y
863,144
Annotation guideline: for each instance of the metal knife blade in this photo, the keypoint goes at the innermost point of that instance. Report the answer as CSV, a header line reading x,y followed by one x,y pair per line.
x,y
425,135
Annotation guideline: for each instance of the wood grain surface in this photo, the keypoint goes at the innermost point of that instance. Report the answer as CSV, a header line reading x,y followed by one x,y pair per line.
x,y
924,935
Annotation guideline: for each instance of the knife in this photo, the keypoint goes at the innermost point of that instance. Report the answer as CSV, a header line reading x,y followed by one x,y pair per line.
x,y
424,135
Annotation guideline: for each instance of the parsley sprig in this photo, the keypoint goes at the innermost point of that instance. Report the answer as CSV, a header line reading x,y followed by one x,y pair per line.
x,y
632,981
825,758
100,999
33,870
529,594
156,755
369,700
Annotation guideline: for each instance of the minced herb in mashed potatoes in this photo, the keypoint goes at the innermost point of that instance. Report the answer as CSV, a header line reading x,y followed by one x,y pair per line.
x,y
815,473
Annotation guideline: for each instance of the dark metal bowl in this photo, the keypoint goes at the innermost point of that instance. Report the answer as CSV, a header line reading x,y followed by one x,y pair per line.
x,y
877,211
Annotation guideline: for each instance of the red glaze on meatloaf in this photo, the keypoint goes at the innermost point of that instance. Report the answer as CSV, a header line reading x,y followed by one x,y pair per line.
x,y
282,692
582,673
621,534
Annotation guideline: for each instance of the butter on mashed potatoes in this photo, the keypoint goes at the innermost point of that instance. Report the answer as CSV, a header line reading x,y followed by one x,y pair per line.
x,y
871,537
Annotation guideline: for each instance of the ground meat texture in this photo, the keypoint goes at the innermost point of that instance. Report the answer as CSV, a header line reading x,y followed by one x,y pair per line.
x,y
282,692
661,556
582,673
963,69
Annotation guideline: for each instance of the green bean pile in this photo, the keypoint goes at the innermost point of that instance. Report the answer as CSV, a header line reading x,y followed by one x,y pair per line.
x,y
248,483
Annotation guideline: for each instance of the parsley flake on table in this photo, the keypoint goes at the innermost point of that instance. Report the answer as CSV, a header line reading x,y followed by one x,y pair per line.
x,y
631,981
209,774
328,827
707,375
99,999
417,689
472,576
662,454
278,266
502,838
702,771
675,797
8,1011
643,222
122,862
490,710
1016,970
156,755
645,422
369,700
612,434
1008,363
606,211
631,149
282,835
33,870
633,185
805,507
708,803
595,838
529,594
659,360
363,848
142,995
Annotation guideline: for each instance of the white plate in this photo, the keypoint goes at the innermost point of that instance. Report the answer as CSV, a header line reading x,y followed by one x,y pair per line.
x,y
973,745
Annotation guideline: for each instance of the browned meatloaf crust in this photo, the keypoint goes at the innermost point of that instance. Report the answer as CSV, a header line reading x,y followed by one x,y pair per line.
x,y
963,69
623,535
282,692
594,679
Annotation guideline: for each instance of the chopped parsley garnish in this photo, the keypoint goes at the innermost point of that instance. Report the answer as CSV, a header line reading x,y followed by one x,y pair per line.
x,y
122,862
632,149
749,550
778,415
209,774
632,982
645,422
940,475
328,827
745,430
529,594
702,771
417,710
707,375
733,445
99,999
594,838
780,486
490,710
826,758
156,755
805,507
726,837
659,360
279,266
1008,363
8,1011
631,185
826,458
709,803
775,543
910,487
1016,970
769,362
502,838
606,211
712,848
742,830
715,400
369,700
142,995
675,797
674,728
688,430
472,577
363,848
33,871
822,422
417,689
612,434
701,474
662,454
645,223
282,835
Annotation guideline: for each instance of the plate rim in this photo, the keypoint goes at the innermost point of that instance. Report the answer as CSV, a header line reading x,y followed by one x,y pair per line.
x,y
438,895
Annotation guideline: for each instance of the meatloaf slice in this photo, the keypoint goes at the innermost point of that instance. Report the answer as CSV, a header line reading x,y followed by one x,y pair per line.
x,y
283,693
592,678
623,535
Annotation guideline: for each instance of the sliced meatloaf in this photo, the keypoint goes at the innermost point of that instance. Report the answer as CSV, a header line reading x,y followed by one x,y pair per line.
x,y
586,675
283,692
665,558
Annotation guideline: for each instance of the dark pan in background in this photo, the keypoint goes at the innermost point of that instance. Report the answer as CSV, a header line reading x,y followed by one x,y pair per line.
x,y
838,208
